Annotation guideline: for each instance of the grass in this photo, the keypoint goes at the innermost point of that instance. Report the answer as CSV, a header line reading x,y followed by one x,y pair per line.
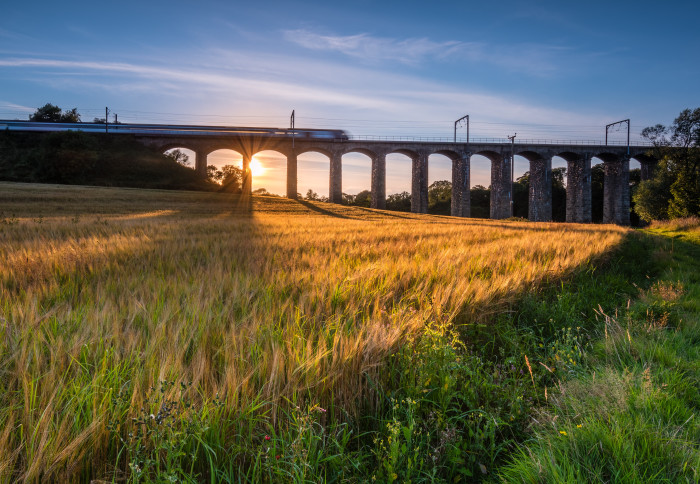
x,y
631,413
152,335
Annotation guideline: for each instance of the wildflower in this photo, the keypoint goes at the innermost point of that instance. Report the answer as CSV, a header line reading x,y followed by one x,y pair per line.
x,y
322,410
277,457
563,432
267,437
579,426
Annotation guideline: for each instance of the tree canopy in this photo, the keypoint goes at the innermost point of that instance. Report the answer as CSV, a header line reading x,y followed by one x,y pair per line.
x,y
50,113
230,177
179,157
400,202
440,197
674,190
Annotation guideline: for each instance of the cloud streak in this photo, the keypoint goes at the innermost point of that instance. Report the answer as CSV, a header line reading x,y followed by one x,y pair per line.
x,y
531,59
16,107
184,79
364,46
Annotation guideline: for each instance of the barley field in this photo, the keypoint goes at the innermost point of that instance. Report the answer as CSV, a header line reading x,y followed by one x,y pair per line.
x,y
246,307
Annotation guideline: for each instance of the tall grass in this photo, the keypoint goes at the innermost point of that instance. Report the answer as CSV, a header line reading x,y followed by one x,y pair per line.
x,y
284,308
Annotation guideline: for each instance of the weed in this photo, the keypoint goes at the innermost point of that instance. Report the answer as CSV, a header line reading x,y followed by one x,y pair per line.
x,y
399,453
165,438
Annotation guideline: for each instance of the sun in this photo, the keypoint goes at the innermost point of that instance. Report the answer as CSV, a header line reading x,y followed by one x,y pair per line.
x,y
256,168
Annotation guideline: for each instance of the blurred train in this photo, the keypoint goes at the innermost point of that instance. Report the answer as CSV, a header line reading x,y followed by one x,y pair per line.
x,y
174,129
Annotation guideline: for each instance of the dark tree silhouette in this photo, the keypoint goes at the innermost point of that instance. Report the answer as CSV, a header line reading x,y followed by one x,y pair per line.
x,y
674,191
50,113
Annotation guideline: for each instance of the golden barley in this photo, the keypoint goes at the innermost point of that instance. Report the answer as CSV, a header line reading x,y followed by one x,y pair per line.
x,y
109,290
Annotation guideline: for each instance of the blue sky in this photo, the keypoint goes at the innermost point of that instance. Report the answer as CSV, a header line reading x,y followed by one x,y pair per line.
x,y
555,70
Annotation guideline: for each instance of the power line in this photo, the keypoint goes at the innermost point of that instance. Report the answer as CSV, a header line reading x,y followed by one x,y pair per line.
x,y
404,127
376,122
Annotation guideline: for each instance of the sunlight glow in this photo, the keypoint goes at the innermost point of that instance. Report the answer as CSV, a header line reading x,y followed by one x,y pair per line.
x,y
256,168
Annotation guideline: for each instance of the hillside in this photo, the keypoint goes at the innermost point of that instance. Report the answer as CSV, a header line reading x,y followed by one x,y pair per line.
x,y
77,158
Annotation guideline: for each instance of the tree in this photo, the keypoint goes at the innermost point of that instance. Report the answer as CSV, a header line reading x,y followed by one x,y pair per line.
x,y
50,113
400,202
651,196
312,195
71,116
231,179
674,191
363,199
440,191
635,179
263,191
559,194
179,157
213,174
480,200
597,192
440,197
521,195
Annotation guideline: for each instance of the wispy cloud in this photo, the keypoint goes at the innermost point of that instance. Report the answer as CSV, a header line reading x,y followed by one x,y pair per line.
x,y
10,110
12,35
365,46
184,80
16,107
526,58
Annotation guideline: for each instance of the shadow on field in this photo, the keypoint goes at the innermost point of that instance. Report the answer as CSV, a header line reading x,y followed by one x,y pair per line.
x,y
84,234
385,213
539,226
323,211
448,220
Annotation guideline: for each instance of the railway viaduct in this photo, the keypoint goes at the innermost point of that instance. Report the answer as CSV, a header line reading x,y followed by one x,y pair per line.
x,y
616,207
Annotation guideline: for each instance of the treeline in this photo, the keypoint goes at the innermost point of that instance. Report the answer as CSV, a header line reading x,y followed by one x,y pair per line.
x,y
439,199
78,158
674,190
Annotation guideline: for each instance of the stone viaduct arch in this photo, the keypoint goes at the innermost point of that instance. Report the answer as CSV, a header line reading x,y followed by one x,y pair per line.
x,y
578,160
377,177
